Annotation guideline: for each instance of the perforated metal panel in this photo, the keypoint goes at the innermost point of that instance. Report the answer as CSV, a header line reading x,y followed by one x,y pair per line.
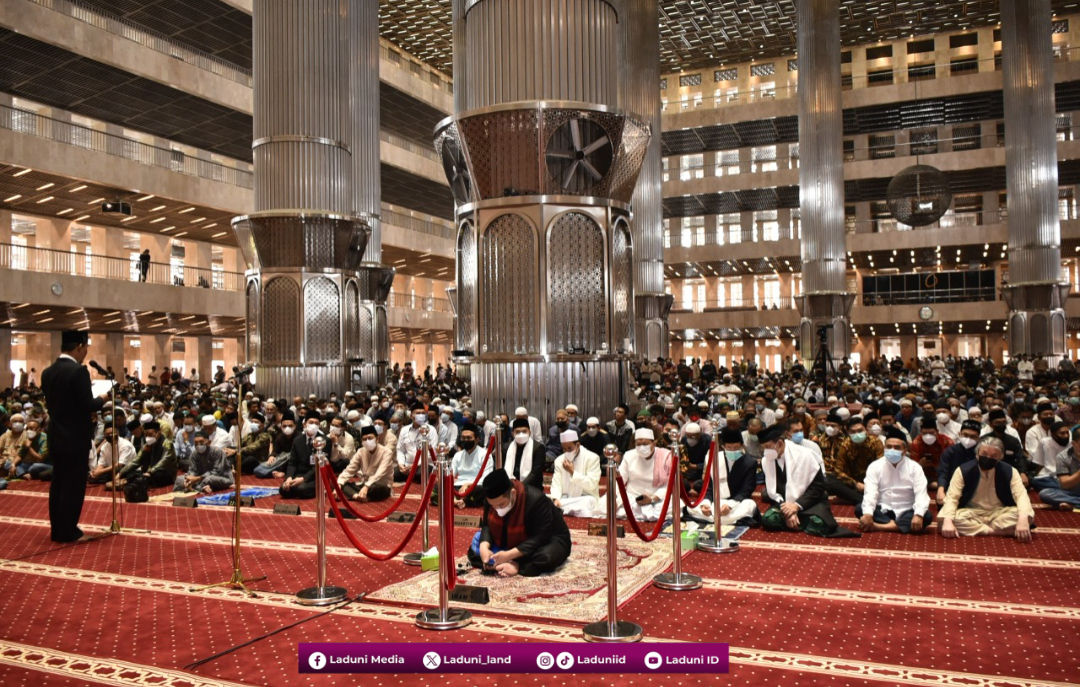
x,y
622,285
366,333
578,309
352,331
654,335
502,152
322,315
382,335
253,328
467,277
1039,334
628,164
281,325
509,286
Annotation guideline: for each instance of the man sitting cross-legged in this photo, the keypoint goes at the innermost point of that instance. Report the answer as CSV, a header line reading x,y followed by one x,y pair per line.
x,y
895,497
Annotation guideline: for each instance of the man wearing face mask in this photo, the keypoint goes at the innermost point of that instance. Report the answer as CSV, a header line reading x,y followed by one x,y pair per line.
x,y
466,465
738,480
445,427
795,428
372,468
280,449
927,448
987,498
575,483
33,461
1037,432
384,436
524,457
184,444
255,446
522,531
856,453
554,444
595,439
101,467
341,446
646,471
830,441
219,438
1066,496
754,427
211,470
956,455
762,410
1043,465
301,470
11,443
795,490
696,445
895,497
409,440
156,461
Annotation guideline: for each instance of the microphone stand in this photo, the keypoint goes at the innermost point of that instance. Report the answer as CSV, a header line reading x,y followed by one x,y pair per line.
x,y
114,460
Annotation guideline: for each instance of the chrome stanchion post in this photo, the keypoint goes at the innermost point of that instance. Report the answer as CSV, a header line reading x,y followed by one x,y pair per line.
x,y
444,617
321,594
612,629
498,445
717,544
676,580
414,558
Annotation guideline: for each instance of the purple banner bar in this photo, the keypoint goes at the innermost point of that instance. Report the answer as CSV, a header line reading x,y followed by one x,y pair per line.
x,y
491,657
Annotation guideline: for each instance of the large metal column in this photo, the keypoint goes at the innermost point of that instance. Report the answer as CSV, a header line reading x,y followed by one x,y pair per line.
x,y
825,301
304,242
1035,294
543,166
376,279
640,67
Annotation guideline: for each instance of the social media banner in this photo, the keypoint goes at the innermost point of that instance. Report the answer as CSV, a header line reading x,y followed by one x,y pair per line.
x,y
513,658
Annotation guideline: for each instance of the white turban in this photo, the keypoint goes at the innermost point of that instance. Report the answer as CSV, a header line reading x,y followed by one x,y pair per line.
x,y
208,420
521,411
568,436
592,421
692,428
571,407
645,433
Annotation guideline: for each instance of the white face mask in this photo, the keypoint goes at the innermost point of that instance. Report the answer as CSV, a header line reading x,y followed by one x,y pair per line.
x,y
150,441
645,451
592,431
942,418
875,430
779,413
503,511
369,444
521,439
335,431
929,439
288,431
831,431
378,430
770,454
311,430
30,434
17,426
966,442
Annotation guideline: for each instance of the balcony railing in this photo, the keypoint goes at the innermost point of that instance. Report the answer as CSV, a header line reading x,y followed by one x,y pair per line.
x,y
80,264
409,145
148,39
414,302
696,237
965,295
34,124
733,305
425,225
765,91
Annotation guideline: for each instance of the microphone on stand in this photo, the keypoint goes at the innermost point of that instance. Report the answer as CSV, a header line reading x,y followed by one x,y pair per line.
x,y
100,370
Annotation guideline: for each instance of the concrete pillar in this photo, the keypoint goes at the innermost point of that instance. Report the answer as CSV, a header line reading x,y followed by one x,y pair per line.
x,y
1035,295
111,353
6,378
204,358
825,302
155,351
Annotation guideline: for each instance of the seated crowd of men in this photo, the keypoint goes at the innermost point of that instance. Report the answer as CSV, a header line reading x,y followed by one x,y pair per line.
x,y
901,447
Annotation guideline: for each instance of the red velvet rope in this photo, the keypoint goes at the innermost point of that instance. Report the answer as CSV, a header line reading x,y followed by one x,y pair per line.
x,y
463,494
704,481
328,480
382,516
447,520
663,513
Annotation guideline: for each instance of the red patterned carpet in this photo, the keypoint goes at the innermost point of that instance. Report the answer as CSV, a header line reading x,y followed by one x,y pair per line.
x,y
880,610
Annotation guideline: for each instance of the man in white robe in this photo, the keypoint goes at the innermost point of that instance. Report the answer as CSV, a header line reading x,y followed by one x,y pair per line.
x,y
646,471
575,484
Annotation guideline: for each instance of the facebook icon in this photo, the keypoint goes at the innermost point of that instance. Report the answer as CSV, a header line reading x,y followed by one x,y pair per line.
x,y
317,661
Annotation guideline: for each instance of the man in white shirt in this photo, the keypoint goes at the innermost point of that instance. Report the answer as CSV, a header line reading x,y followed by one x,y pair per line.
x,y
1046,457
342,446
894,495
409,440
101,467
534,425
219,438
945,423
1025,369
1040,430
646,471
466,465
575,484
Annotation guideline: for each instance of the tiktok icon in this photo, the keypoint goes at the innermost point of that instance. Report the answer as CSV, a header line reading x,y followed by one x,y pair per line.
x,y
317,661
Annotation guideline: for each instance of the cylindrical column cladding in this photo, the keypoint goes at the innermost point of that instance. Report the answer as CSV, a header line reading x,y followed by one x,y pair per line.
x,y
300,79
1030,142
1035,296
538,50
373,340
639,70
821,178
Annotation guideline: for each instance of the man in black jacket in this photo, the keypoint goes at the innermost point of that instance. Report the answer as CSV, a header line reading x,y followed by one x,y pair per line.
x,y
300,472
524,458
66,384
738,480
522,531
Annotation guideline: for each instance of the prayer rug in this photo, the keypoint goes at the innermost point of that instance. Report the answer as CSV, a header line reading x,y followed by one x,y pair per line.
x,y
576,592
222,499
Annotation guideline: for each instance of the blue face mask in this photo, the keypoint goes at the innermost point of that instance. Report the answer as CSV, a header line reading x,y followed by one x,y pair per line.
x,y
733,456
421,419
858,437
797,437
894,455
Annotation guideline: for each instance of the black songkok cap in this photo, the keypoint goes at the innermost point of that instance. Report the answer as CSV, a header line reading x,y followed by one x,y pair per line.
x,y
730,436
519,422
895,432
496,484
74,338
771,433
971,425
996,414
1043,407
370,429
470,427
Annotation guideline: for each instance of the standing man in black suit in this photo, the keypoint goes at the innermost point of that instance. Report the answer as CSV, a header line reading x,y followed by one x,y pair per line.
x,y
66,384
